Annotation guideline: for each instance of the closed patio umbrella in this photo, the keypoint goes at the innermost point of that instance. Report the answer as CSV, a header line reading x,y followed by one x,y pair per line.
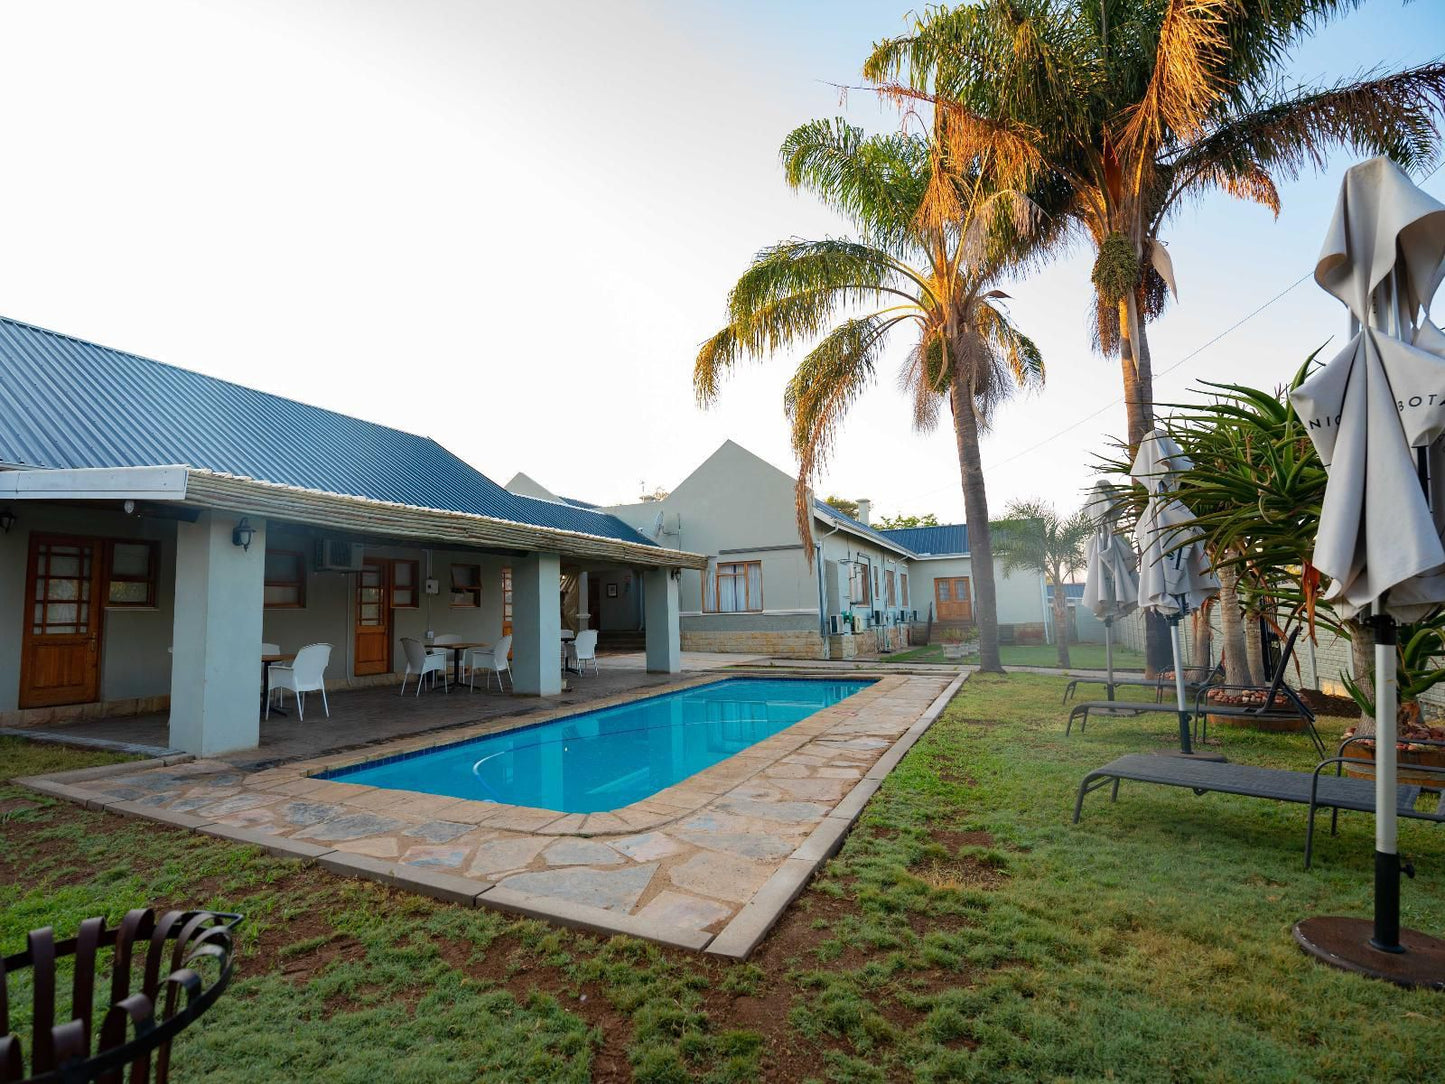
x,y
1175,577
1374,413
1110,589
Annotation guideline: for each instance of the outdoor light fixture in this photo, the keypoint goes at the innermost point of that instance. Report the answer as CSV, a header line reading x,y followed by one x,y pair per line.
x,y
7,520
243,534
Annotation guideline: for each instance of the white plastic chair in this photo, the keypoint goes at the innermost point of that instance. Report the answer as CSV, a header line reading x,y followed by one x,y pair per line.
x,y
420,661
305,674
583,650
266,649
490,660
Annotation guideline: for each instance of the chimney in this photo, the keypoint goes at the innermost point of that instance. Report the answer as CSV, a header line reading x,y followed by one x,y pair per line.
x,y
865,506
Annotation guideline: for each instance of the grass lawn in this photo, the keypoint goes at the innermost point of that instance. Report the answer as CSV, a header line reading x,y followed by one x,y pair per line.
x,y
1082,656
966,931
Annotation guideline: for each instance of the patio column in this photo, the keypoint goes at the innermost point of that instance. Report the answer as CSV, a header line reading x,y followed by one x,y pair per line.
x,y
537,624
216,636
663,627
583,617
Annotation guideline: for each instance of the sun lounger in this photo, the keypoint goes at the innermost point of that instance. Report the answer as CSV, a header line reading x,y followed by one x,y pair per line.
x,y
1160,684
1270,708
1314,789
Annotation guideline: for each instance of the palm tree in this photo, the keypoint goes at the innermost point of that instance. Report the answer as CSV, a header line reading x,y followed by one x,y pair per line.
x,y
912,271
1134,107
1034,536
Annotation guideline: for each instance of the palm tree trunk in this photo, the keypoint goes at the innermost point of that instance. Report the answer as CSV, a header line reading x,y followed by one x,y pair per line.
x,y
1254,647
1236,661
1362,659
975,513
1135,362
1201,638
1061,619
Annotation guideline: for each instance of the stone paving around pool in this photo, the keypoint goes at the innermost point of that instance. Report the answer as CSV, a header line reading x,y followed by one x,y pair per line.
x,y
708,862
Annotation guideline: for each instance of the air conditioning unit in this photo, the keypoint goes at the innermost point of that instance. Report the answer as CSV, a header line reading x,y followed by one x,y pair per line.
x,y
334,555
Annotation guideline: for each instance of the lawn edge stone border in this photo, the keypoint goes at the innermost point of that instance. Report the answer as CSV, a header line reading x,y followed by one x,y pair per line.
x,y
741,936
737,940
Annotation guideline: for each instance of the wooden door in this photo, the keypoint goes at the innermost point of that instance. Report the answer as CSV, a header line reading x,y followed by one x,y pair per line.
x,y
373,618
951,599
60,644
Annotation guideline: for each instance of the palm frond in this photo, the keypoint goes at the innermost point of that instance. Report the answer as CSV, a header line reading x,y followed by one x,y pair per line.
x,y
827,382
1394,114
924,378
791,293
1186,83
878,182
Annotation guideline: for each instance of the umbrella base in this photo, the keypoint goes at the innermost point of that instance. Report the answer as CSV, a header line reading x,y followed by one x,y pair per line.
x,y
1198,754
1345,943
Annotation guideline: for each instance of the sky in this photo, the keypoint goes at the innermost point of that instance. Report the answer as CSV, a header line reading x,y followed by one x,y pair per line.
x,y
509,226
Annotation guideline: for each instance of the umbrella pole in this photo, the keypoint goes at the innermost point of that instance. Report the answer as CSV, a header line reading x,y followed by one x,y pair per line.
x,y
1185,746
1387,858
1109,654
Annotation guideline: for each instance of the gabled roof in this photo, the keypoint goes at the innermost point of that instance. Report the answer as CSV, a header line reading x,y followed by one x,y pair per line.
x,y
67,403
950,539
881,537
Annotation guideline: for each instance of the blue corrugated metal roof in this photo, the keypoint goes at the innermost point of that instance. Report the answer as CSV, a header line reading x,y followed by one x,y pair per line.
x,y
862,528
950,538
65,402
1074,590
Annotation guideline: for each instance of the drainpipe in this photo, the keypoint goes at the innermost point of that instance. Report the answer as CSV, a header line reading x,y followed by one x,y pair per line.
x,y
822,591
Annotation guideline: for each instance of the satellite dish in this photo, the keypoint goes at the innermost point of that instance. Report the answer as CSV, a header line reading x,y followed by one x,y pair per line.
x,y
657,526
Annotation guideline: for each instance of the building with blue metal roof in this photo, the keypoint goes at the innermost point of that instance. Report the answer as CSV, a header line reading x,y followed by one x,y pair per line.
x,y
159,526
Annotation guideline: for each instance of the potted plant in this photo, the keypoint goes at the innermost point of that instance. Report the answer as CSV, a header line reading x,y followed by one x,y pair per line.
x,y
1420,646
957,643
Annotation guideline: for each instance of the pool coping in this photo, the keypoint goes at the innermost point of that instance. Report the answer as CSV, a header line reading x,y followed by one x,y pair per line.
x,y
737,939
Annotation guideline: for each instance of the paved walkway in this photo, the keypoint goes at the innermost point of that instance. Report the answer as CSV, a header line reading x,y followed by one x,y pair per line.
x,y
724,850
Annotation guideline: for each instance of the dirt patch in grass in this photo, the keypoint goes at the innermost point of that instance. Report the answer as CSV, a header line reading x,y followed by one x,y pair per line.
x,y
956,841
964,871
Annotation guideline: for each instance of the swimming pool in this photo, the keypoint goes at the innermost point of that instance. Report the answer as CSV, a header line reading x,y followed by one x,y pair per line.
x,y
611,757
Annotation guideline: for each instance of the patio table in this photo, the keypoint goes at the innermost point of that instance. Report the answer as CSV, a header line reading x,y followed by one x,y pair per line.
x,y
458,649
266,662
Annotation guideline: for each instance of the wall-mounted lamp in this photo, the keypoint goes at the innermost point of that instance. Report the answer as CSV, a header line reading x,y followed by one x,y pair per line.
x,y
7,520
243,534
676,574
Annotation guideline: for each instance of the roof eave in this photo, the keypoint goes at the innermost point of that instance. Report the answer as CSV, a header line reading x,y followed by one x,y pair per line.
x,y
363,515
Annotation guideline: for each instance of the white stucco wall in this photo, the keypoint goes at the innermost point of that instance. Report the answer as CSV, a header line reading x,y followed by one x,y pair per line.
x,y
1019,595
135,661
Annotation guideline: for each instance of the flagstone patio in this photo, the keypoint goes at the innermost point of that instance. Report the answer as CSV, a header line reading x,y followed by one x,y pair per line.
x,y
709,862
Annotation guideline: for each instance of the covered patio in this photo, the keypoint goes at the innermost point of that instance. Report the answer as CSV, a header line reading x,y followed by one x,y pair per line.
x,y
228,564
367,716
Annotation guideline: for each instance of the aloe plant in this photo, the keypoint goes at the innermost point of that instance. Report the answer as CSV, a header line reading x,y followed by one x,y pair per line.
x,y
1420,646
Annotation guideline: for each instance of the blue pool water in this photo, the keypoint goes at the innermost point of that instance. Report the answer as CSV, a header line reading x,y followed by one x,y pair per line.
x,y
611,757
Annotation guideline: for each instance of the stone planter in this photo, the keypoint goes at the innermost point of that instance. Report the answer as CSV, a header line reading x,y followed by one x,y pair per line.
x,y
1270,726
1404,757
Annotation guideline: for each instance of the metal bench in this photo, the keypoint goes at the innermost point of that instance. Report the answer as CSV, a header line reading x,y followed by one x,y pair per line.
x,y
1314,789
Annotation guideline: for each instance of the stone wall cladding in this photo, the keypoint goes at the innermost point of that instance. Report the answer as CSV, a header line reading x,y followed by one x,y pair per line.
x,y
783,644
